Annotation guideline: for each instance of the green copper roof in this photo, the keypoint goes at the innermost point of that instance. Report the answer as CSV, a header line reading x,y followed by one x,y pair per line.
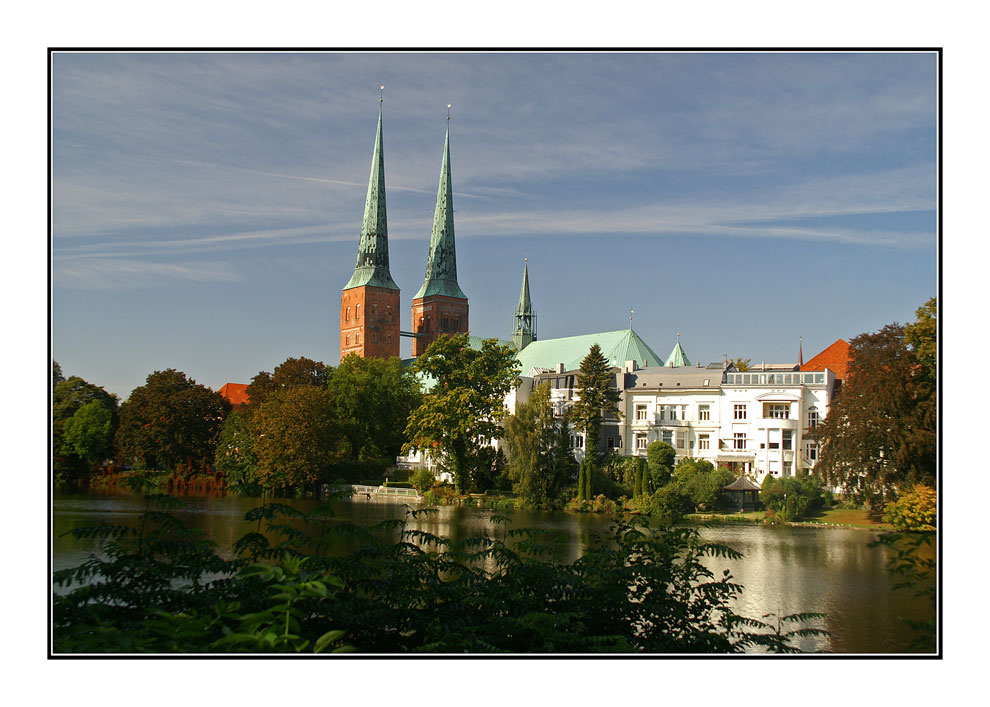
x,y
677,356
372,260
441,267
525,305
617,346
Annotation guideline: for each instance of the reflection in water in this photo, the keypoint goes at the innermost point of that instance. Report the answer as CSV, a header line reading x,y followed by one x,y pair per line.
x,y
784,570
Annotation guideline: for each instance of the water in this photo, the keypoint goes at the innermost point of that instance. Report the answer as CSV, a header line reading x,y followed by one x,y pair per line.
x,y
785,570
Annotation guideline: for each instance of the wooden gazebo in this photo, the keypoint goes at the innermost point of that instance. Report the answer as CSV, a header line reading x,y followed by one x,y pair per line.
x,y
742,495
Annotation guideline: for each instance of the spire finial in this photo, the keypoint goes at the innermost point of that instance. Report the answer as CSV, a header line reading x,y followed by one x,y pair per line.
x,y
381,96
448,112
631,312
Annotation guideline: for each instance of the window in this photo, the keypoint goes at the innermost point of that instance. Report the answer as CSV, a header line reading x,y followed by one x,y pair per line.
x,y
640,442
640,412
611,443
348,317
777,411
704,413
813,418
682,440
663,412
811,450
667,437
739,411
739,440
357,311
703,442
785,439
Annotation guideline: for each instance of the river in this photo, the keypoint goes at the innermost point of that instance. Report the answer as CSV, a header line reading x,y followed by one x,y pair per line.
x,y
784,570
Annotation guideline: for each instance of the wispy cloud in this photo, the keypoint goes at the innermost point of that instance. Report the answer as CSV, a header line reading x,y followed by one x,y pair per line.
x,y
104,274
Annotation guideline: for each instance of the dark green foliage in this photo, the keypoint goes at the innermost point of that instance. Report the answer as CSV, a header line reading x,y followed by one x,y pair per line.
x,y
290,373
162,589
372,399
702,483
57,376
540,464
296,438
598,398
669,503
794,497
170,420
660,462
235,450
880,432
354,471
74,458
461,412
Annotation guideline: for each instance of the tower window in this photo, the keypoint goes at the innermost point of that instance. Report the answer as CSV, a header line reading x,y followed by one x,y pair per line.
x,y
357,311
348,317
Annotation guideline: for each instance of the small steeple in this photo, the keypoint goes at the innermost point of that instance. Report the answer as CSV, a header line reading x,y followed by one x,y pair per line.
x,y
524,326
372,261
441,267
677,356
800,351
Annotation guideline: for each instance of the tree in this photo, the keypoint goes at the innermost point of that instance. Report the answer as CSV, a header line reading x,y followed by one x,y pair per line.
x,y
57,376
68,397
880,433
598,398
295,437
922,337
463,408
372,399
702,483
170,420
740,363
660,462
537,468
235,449
289,373
89,432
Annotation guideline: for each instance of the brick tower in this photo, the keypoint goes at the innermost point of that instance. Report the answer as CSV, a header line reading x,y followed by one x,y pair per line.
x,y
440,307
369,306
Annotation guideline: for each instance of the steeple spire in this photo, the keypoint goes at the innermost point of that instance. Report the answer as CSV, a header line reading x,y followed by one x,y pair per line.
x,y
677,356
372,260
524,326
441,267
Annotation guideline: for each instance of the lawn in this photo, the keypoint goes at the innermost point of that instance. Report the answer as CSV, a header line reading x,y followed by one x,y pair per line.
x,y
848,518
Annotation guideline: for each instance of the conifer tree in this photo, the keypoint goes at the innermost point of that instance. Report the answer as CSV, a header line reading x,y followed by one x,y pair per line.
x,y
598,397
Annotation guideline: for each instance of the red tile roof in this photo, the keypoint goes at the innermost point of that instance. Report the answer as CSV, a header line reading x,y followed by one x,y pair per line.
x,y
835,358
236,393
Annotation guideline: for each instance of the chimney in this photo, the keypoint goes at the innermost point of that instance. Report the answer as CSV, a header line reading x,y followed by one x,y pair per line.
x,y
560,368
630,367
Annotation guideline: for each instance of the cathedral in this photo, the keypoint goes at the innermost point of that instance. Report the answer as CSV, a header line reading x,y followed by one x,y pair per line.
x,y
369,305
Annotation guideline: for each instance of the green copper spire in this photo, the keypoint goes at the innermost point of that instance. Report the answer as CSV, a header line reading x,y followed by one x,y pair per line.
x,y
372,260
441,267
677,356
524,327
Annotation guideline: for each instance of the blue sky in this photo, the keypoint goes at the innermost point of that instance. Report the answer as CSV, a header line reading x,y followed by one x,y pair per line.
x,y
207,207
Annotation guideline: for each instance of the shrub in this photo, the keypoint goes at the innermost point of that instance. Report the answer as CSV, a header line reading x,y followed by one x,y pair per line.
x,y
914,511
670,503
423,480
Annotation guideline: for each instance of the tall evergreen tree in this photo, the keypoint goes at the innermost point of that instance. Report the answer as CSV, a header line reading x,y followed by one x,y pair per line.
x,y
598,397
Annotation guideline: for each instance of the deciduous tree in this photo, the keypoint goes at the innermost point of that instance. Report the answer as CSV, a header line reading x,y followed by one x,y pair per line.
x,y
235,449
538,469
68,397
89,432
881,427
372,399
598,397
660,462
170,420
295,437
463,408
289,373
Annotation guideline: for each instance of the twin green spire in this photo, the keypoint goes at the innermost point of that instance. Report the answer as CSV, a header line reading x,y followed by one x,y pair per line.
x,y
441,267
372,261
